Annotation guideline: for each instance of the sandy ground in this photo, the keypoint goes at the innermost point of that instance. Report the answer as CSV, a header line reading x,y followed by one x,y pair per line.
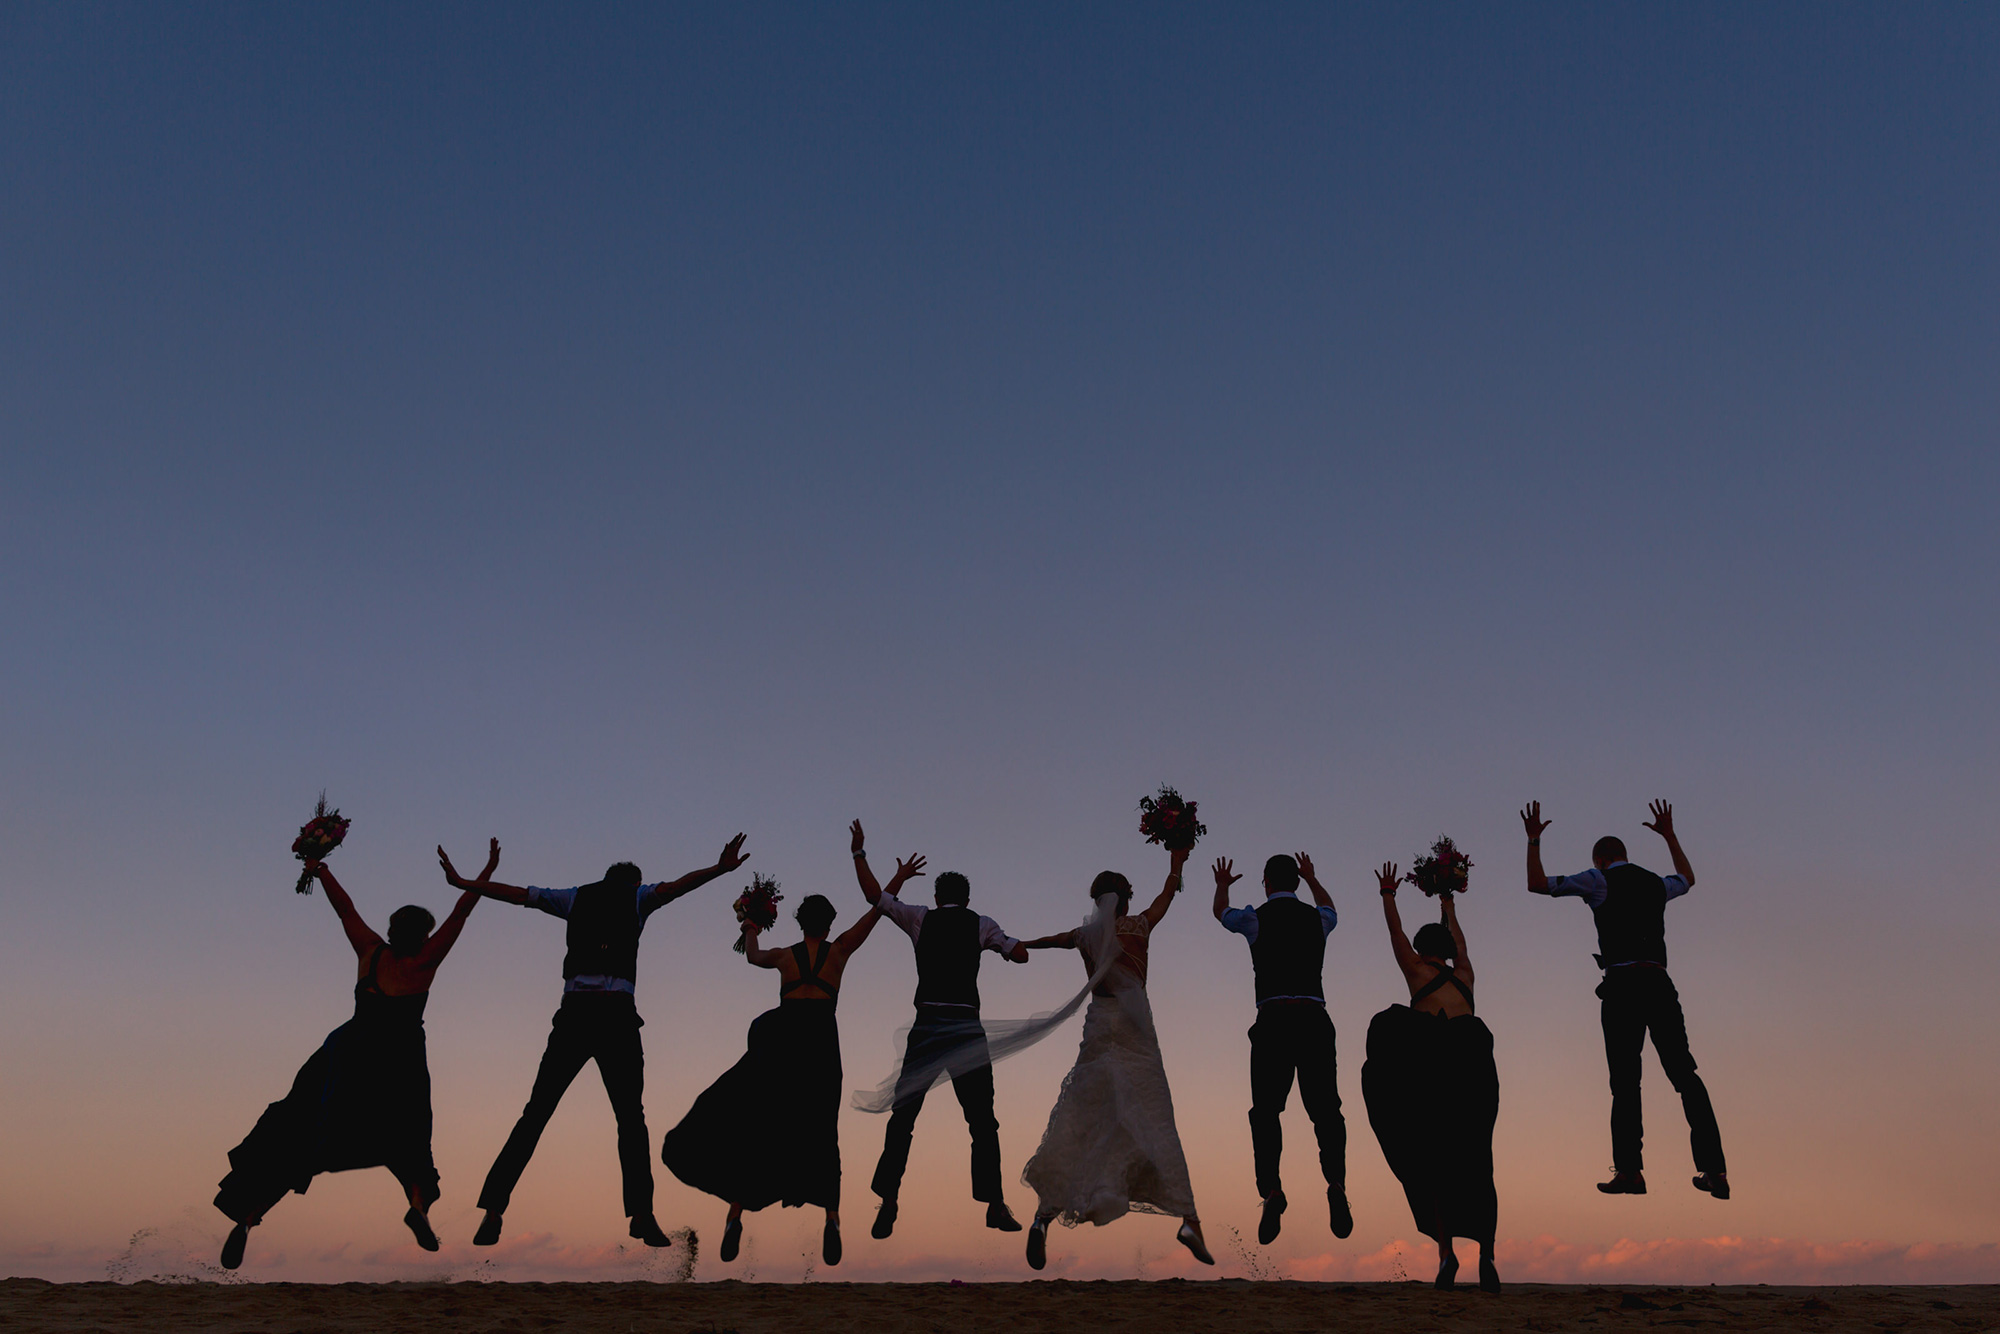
x,y
936,1308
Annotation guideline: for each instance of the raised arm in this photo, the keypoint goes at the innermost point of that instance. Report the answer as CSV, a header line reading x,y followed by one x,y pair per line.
x,y
732,857
1158,910
759,958
446,935
1449,908
359,933
1225,876
1386,880
871,888
1662,824
485,884
850,940
906,871
1062,940
1320,896
1532,821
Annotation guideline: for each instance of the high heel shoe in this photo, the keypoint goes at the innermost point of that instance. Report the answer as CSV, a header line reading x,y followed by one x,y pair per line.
x,y
732,1240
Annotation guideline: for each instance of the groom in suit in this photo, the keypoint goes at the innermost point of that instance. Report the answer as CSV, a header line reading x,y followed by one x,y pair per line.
x,y
1630,905
949,940
1293,1035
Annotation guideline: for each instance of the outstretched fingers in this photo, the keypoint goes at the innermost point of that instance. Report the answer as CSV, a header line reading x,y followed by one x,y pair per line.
x,y
1225,872
1389,877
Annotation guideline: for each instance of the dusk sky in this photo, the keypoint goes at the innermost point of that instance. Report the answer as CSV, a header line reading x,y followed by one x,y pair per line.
x,y
614,427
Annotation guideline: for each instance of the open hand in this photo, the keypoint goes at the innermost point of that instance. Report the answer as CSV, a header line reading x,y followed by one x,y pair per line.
x,y
854,844
1305,867
492,859
1662,822
1225,873
905,870
1532,821
1389,877
732,856
451,875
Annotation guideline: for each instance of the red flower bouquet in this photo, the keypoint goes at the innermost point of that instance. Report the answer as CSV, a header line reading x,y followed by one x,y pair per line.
x,y
317,837
1445,871
1169,821
757,905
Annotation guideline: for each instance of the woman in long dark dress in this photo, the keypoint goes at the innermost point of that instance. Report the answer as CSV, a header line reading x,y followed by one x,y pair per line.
x,y
1433,1092
768,1131
364,1098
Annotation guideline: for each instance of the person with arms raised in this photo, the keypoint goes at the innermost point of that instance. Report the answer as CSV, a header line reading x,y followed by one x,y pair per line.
x,y
1292,1037
947,1039
1630,906
597,1021
364,1098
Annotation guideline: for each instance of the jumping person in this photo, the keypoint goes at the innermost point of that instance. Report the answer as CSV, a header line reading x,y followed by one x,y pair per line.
x,y
1293,1035
597,1021
768,1131
1111,1145
364,1098
1630,903
1432,1090
947,1034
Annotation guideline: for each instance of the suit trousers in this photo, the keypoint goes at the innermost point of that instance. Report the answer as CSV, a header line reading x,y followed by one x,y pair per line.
x,y
601,1026
1640,999
1294,1039
939,1029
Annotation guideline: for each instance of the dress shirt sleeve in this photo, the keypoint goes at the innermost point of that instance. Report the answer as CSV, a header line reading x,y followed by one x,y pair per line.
x,y
554,902
991,937
1328,919
1590,886
909,916
1243,921
1676,886
649,899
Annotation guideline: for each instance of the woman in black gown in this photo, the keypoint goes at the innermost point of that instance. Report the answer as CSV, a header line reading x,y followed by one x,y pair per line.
x,y
364,1098
1432,1091
768,1131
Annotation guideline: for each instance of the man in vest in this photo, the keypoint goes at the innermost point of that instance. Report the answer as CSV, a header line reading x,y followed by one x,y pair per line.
x,y
1293,1035
598,1021
949,940
1630,904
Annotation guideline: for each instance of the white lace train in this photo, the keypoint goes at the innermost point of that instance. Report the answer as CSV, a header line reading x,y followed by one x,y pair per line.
x,y
1111,1146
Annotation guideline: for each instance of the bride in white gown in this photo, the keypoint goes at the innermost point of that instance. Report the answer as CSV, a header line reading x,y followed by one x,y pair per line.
x,y
1111,1146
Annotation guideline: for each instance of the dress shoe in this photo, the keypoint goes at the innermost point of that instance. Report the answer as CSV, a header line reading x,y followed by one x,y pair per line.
x,y
1270,1222
885,1221
1001,1219
1624,1183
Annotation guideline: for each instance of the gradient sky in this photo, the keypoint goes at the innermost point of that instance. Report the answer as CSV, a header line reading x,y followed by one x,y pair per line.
x,y
612,428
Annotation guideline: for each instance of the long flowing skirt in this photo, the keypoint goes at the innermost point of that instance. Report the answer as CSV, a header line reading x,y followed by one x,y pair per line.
x,y
362,1100
1111,1146
768,1131
1433,1094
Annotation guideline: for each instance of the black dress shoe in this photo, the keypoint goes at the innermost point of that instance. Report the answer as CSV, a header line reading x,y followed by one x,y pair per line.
x,y
732,1240
885,1221
1339,1216
647,1229
1715,1183
421,1226
1624,1183
233,1244
1270,1222
489,1231
1001,1219
829,1243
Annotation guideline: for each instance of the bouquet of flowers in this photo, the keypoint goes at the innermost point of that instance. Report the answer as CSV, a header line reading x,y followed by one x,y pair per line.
x,y
1169,821
317,837
1445,871
757,905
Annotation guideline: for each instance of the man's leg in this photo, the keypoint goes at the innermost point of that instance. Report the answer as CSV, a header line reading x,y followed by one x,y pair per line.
x,y
910,1094
1668,1025
975,1097
621,1061
1271,1068
1624,1018
561,1060
1319,1090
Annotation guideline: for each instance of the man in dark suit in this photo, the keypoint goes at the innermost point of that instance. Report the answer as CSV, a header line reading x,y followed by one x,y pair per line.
x,y
1293,1037
1630,905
